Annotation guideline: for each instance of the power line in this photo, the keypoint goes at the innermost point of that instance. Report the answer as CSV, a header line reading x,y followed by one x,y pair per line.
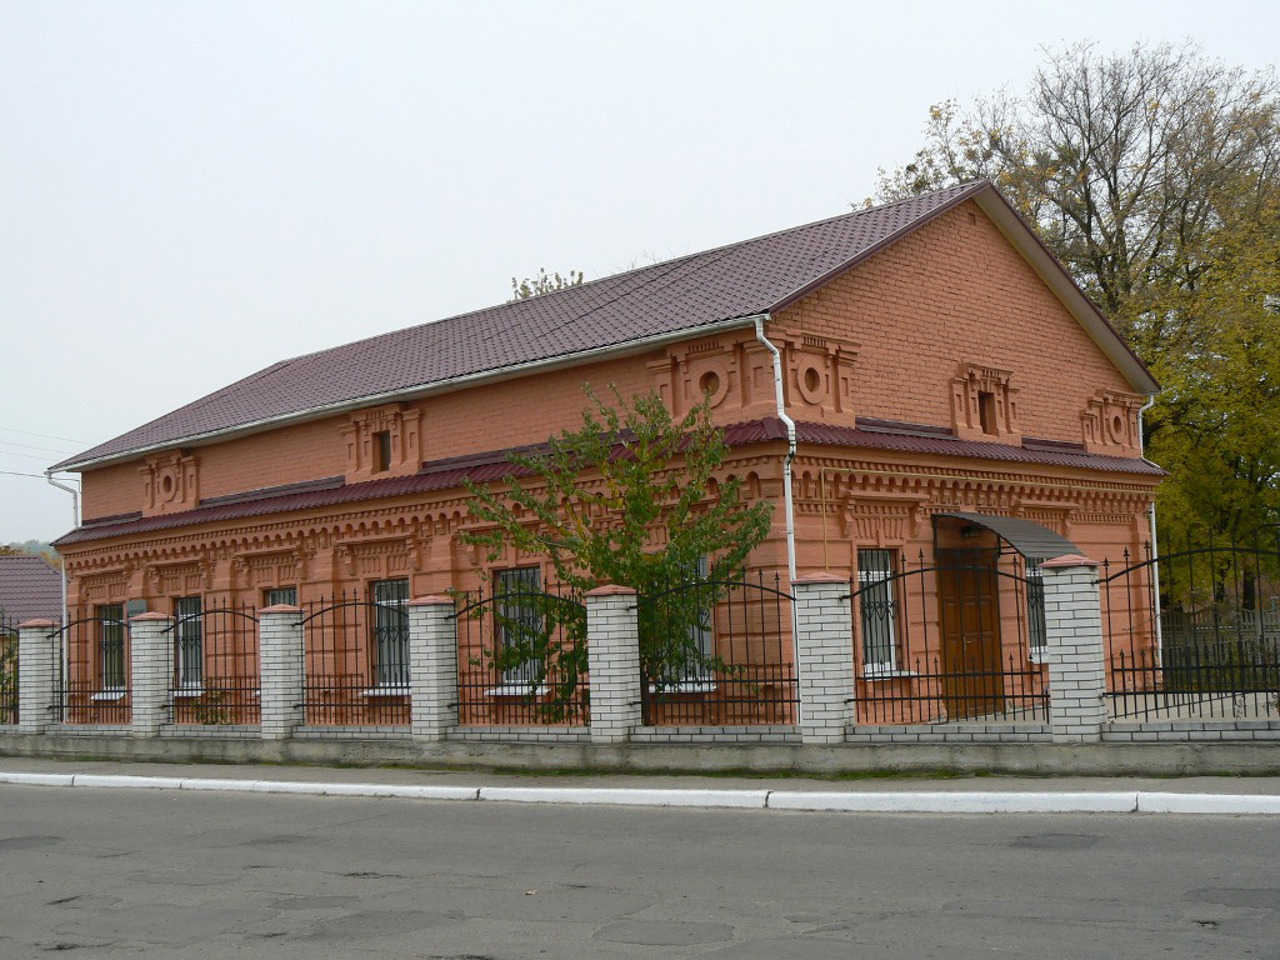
x,y
32,446
25,456
38,476
42,436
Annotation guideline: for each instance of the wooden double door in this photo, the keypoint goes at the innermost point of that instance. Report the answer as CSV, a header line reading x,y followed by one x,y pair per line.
x,y
969,622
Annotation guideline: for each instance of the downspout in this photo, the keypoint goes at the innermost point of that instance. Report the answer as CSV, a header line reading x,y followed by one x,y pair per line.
x,y
75,521
791,448
1155,550
66,617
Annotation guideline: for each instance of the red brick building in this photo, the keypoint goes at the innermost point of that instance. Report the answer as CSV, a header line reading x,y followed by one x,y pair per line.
x,y
952,393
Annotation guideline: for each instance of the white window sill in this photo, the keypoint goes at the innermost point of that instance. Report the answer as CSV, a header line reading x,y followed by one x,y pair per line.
x,y
109,695
517,690
886,673
397,690
184,692
685,686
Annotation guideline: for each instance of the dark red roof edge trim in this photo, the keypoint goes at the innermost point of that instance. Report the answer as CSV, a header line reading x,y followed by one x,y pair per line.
x,y
452,471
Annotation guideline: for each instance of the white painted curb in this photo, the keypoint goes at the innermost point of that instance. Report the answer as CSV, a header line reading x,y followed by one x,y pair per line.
x,y
40,779
937,801
1206,803
740,799
131,783
944,802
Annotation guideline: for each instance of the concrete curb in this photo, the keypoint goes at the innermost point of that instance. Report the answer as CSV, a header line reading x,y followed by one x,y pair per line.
x,y
985,801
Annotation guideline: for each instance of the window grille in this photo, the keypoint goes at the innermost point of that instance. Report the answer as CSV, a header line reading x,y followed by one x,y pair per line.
x,y
280,595
879,611
519,619
391,632
1035,608
190,637
111,645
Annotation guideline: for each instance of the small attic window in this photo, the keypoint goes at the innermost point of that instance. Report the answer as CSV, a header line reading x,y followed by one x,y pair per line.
x,y
382,451
987,412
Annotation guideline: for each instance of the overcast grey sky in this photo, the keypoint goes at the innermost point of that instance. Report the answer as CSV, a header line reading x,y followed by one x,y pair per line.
x,y
190,191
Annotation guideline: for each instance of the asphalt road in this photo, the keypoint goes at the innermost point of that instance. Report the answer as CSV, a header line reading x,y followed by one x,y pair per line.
x,y
117,873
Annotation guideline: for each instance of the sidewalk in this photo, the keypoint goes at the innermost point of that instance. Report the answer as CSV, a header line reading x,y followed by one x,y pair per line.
x,y
917,794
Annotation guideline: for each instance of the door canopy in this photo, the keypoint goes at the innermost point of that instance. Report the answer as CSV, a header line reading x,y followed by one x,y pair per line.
x,y
1030,539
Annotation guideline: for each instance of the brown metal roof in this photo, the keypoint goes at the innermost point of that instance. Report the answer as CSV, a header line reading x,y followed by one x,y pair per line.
x,y
29,589
448,474
692,293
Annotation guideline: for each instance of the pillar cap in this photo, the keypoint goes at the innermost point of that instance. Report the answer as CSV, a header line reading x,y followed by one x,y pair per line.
x,y
431,600
150,615
36,624
281,608
1070,560
612,590
820,577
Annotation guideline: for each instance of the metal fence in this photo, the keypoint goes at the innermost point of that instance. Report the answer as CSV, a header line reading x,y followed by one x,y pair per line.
x,y
8,669
92,679
946,641
522,657
215,657
718,652
356,656
1216,652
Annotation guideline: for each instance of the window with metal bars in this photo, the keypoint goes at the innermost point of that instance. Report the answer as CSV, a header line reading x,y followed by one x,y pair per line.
x,y
879,611
519,621
278,595
391,632
189,613
110,618
1035,608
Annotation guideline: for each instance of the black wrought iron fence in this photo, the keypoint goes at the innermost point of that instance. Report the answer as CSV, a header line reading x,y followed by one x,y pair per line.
x,y
522,657
1215,653
961,639
8,669
92,676
356,662
718,652
216,672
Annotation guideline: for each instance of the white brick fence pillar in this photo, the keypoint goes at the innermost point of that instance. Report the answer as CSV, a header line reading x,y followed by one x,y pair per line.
x,y
151,673
1074,650
613,657
824,645
433,667
281,663
38,656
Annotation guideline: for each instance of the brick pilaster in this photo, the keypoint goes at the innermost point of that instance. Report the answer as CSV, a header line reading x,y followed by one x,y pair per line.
x,y
151,674
433,667
1074,650
281,655
39,654
613,655
824,645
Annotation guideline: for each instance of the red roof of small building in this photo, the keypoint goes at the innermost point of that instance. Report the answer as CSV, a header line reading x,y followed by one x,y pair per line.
x,y
30,589
687,295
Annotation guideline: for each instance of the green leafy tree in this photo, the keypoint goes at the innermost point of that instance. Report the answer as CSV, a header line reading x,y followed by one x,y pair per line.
x,y
543,283
631,498
1153,175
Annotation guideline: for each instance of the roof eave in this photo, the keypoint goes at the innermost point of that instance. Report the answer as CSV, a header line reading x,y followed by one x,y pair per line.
x,y
1056,277
808,288
1033,250
563,361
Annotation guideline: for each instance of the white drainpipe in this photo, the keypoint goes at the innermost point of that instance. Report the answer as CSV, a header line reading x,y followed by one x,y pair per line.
x,y
66,618
791,448
1155,550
